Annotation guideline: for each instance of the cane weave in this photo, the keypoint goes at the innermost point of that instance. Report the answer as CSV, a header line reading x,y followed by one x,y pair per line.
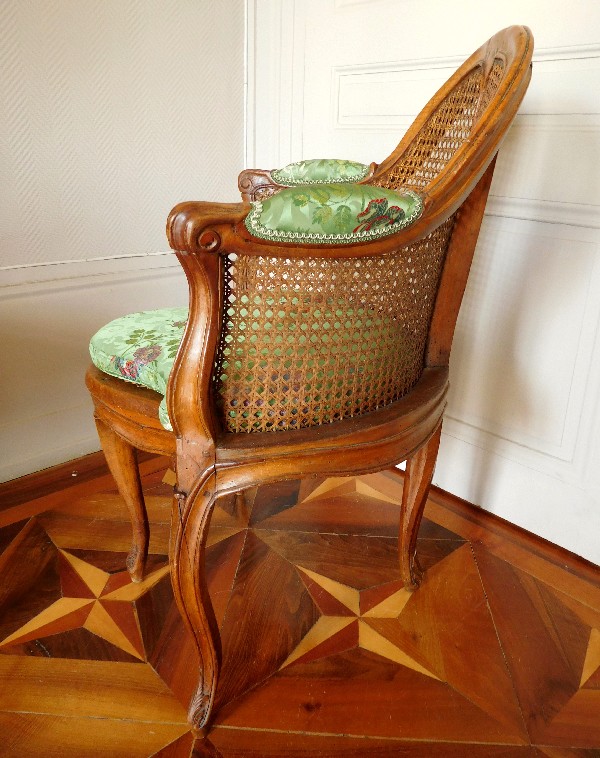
x,y
491,85
445,131
311,341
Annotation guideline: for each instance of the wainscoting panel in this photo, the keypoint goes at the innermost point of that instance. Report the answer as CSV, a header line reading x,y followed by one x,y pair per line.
x,y
530,302
45,327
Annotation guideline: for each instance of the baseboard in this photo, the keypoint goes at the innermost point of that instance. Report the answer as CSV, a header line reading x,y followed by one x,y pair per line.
x,y
56,478
531,542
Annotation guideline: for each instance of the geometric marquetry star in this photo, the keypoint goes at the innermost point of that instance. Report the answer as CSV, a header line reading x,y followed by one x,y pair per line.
x,y
349,618
95,600
343,485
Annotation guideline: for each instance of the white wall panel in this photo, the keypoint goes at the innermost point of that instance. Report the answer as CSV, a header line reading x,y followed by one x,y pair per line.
x,y
522,433
531,301
378,94
274,116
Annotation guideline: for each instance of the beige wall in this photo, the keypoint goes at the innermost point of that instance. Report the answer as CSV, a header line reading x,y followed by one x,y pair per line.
x,y
112,111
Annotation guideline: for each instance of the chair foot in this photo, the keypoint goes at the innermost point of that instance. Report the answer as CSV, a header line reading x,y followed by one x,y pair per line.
x,y
414,576
190,522
417,480
136,564
122,462
200,733
199,712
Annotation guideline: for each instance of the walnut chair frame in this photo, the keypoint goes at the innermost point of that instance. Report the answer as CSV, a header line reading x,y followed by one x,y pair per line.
x,y
448,156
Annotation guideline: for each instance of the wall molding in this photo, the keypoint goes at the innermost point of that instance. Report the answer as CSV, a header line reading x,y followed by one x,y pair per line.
x,y
566,53
410,80
13,277
544,211
513,450
556,450
540,55
346,3
549,123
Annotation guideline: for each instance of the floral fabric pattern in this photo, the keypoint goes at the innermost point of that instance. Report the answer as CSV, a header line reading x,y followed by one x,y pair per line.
x,y
141,348
333,213
320,171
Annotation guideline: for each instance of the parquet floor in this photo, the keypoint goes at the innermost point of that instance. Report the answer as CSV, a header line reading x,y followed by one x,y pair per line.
x,y
325,654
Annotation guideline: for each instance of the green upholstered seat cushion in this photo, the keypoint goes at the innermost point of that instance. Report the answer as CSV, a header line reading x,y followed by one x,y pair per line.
x,y
333,214
320,171
141,348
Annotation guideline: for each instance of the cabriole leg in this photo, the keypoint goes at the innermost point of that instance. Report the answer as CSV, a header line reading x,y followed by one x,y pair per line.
x,y
190,522
122,462
417,480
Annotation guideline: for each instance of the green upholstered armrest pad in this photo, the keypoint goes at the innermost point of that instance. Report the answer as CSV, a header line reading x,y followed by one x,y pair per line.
x,y
333,214
320,171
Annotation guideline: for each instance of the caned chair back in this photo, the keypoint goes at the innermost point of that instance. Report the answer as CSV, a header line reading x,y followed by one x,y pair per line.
x,y
312,339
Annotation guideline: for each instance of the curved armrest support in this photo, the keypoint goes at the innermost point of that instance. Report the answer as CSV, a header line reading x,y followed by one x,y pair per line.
x,y
197,227
433,215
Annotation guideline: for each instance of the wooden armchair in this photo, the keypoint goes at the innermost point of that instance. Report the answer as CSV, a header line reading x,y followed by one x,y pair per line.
x,y
316,355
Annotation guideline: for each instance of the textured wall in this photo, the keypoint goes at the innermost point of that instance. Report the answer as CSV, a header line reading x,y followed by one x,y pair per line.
x,y
111,112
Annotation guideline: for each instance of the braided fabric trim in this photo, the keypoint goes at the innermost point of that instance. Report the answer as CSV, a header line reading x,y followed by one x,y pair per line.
x,y
257,229
281,176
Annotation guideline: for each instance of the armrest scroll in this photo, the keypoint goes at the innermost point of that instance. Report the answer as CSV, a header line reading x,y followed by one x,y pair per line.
x,y
197,226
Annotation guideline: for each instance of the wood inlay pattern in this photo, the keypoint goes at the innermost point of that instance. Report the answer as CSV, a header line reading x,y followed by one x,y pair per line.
x,y
496,655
